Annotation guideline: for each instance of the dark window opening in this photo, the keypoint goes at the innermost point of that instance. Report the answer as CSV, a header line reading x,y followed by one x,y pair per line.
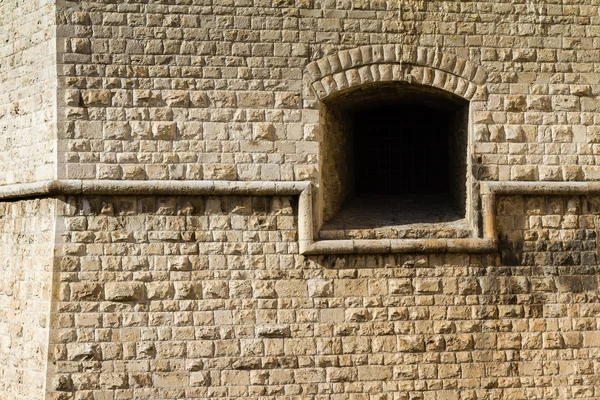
x,y
395,155
401,150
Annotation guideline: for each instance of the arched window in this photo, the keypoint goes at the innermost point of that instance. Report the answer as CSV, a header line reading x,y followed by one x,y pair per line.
x,y
394,154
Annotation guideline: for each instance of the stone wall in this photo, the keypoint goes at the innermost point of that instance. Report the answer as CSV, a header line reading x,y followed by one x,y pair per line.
x,y
206,297
183,297
26,248
27,91
180,91
158,91
175,297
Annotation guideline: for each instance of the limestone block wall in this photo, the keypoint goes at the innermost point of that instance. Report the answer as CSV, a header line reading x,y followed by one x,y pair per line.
x,y
26,259
220,90
196,297
161,91
174,297
206,297
27,91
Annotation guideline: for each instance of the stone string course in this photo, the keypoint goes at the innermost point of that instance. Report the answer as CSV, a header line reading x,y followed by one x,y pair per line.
x,y
180,291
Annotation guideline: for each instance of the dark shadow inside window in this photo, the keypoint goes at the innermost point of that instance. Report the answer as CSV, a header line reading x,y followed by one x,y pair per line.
x,y
394,155
401,150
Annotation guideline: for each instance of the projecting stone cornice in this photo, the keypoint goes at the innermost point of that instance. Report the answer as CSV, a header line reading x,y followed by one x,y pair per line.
x,y
174,188
364,65
306,229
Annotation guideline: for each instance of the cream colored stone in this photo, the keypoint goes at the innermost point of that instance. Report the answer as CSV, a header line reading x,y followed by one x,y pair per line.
x,y
96,98
134,281
123,291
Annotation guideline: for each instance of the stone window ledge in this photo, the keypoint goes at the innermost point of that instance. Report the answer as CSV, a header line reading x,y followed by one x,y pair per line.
x,y
306,230
386,246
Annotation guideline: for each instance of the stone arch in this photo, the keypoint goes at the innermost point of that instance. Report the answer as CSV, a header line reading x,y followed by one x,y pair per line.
x,y
352,68
369,67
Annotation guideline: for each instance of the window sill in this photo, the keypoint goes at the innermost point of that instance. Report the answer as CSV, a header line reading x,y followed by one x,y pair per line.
x,y
386,245
389,246
456,230
397,217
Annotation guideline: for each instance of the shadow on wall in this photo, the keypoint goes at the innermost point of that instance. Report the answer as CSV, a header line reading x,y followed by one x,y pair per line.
x,y
549,231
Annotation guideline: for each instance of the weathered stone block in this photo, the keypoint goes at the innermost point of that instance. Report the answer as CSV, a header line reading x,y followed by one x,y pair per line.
x,y
411,343
220,172
159,290
96,98
400,286
117,130
85,291
273,331
124,291
215,290
164,130
374,373
320,288
83,352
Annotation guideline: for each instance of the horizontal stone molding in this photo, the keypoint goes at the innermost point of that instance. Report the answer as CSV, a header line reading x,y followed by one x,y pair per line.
x,y
306,228
113,187
383,246
364,65
491,189
542,188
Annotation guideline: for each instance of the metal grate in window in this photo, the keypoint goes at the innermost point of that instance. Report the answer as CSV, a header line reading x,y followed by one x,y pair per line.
x,y
401,150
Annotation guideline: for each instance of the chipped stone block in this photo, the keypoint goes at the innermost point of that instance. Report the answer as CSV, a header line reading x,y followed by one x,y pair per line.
x,y
187,290
265,131
83,352
523,173
410,344
215,290
428,286
86,291
159,290
164,130
176,98
320,288
553,340
96,98
515,103
220,171
264,290
273,331
200,379
124,291
400,286
117,130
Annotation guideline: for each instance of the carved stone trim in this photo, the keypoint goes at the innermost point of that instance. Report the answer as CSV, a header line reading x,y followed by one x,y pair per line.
x,y
306,234
363,65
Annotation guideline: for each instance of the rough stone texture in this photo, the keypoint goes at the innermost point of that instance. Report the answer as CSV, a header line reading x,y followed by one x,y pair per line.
x,y
216,303
26,247
207,297
160,89
27,91
229,90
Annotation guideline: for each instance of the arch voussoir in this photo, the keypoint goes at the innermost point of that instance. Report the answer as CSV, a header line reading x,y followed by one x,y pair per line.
x,y
388,63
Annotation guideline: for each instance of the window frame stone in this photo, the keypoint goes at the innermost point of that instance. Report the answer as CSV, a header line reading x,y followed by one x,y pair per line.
x,y
367,65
